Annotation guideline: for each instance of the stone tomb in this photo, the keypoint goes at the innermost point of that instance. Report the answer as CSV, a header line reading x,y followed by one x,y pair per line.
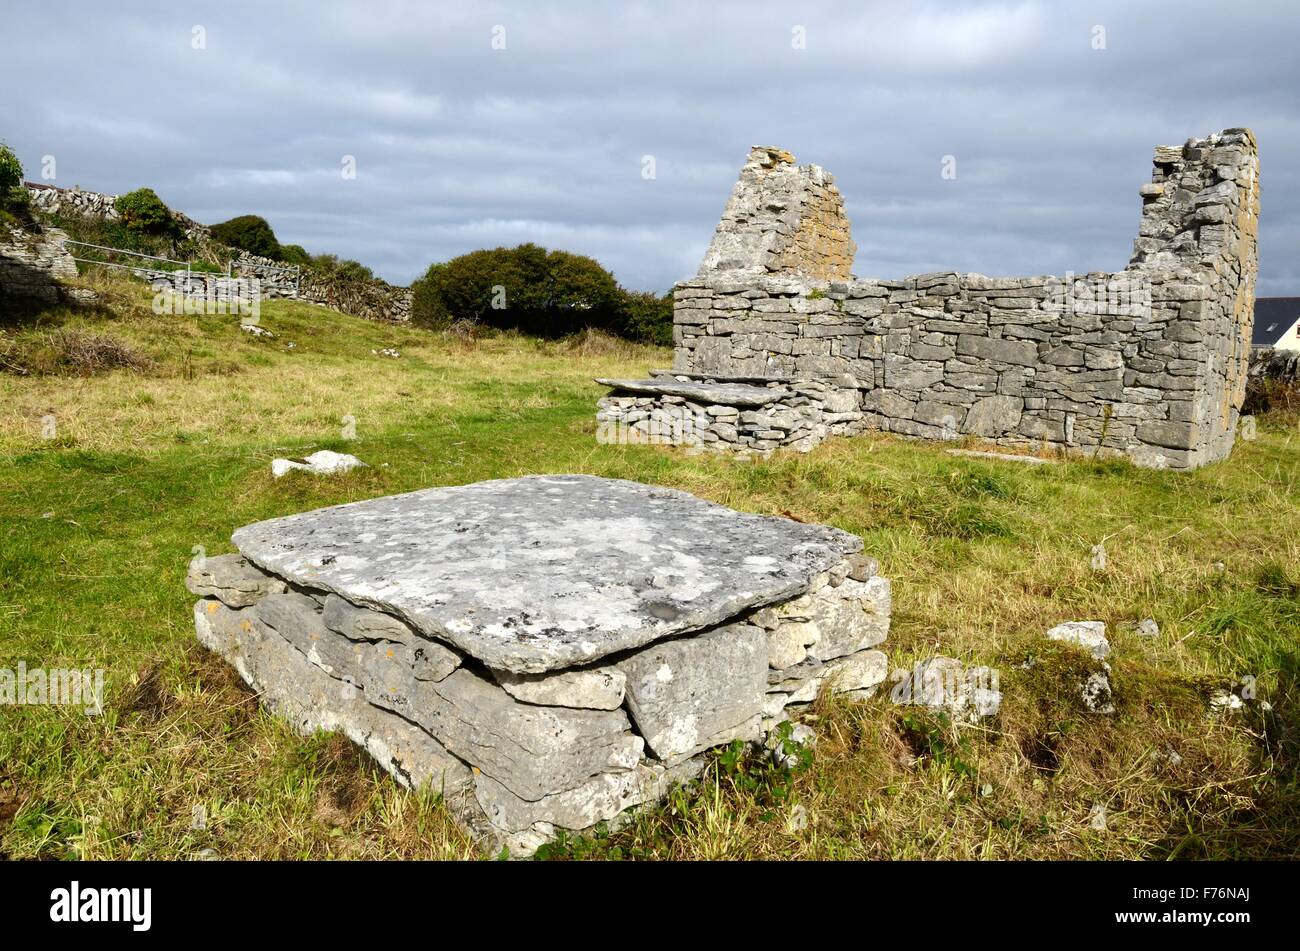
x,y
547,651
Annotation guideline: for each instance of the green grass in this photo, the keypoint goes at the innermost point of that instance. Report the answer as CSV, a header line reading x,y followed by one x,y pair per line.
x,y
98,524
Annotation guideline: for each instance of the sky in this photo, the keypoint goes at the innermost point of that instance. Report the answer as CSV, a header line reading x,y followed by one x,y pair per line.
x,y
616,130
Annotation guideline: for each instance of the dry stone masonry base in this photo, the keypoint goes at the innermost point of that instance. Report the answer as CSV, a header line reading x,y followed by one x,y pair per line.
x,y
1148,363
547,651
741,416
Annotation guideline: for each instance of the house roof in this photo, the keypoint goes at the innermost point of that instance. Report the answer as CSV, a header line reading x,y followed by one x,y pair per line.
x,y
1274,317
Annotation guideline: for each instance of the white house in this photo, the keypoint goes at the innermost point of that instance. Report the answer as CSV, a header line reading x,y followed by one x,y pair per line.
x,y
1277,323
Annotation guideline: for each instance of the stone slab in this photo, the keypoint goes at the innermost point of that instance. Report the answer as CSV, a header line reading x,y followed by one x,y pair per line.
x,y
547,572
231,579
723,394
689,694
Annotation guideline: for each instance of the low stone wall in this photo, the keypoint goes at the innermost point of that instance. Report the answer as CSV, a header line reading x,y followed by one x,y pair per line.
x,y
33,267
72,201
727,415
549,651
1148,362
370,300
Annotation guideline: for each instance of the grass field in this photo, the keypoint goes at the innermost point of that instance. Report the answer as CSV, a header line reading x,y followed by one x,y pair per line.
x,y
100,516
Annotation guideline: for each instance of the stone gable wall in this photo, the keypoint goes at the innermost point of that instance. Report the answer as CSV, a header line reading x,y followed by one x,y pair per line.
x,y
1149,362
782,218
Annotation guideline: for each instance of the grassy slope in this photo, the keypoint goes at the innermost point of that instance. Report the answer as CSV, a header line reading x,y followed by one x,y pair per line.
x,y
96,528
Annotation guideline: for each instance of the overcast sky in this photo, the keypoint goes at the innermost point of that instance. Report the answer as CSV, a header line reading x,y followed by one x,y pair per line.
x,y
459,145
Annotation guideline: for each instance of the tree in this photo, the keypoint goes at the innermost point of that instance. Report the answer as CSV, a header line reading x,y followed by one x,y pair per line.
x,y
12,193
294,254
648,317
527,288
341,269
143,211
249,233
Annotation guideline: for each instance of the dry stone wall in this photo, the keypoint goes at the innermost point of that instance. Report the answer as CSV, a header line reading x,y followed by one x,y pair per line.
x,y
34,267
1148,362
756,416
369,300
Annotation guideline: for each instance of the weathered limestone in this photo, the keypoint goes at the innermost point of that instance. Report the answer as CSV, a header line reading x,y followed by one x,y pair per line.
x,y
782,219
551,651
946,684
656,562
33,267
690,694
230,579
1090,635
718,416
592,688
1148,363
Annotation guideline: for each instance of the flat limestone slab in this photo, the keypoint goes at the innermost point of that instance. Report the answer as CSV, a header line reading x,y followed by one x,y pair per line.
x,y
547,572
722,394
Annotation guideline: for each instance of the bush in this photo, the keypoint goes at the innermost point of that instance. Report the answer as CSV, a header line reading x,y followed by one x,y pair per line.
x,y
526,288
249,233
294,254
143,211
13,196
69,352
648,317
336,269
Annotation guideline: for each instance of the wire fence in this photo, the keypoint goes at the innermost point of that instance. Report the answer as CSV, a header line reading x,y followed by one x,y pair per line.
x,y
231,265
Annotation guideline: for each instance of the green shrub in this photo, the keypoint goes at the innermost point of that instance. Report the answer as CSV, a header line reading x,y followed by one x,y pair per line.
x,y
336,269
13,196
427,308
294,254
526,288
648,317
249,233
143,211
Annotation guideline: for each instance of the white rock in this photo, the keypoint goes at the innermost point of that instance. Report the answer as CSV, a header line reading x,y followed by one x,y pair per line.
x,y
1147,627
1096,692
1097,818
1090,635
324,462
1224,700
944,683
798,820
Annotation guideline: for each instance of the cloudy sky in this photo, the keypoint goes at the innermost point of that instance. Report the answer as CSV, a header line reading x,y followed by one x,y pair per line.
x,y
459,144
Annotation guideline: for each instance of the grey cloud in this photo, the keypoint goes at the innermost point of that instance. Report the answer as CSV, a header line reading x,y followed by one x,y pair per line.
x,y
460,146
